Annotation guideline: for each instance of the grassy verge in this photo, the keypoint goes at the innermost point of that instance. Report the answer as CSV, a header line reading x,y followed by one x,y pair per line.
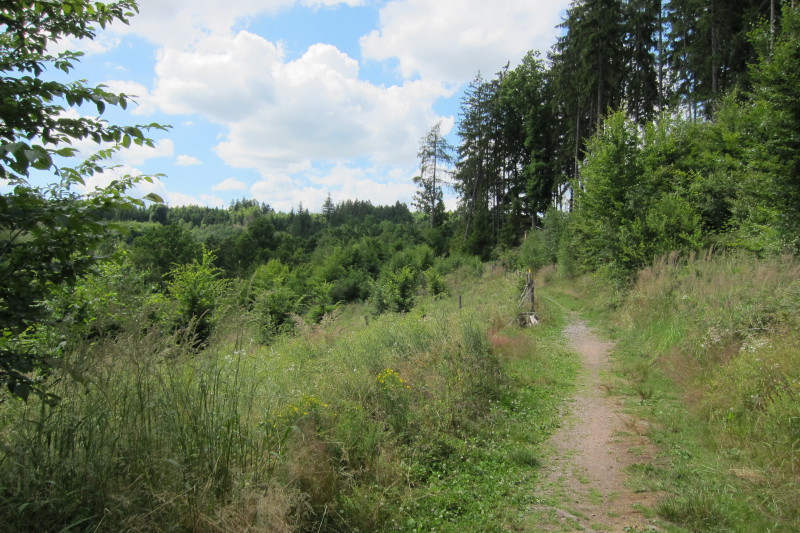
x,y
490,481
429,420
709,347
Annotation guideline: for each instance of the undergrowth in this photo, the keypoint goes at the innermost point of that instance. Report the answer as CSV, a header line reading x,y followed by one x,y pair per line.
x,y
710,349
417,421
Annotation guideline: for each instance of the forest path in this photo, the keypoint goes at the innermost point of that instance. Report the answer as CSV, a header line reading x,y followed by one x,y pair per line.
x,y
586,471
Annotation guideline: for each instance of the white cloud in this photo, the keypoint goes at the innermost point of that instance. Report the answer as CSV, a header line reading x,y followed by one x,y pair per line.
x,y
230,184
280,115
103,42
100,180
178,23
184,160
132,156
312,125
378,185
177,199
143,188
212,201
143,103
221,77
136,155
332,3
452,39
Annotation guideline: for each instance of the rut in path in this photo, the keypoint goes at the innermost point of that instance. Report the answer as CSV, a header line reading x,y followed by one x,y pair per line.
x,y
586,472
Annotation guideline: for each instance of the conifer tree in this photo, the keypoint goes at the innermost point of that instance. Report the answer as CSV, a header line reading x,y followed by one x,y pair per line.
x,y
474,166
436,156
642,31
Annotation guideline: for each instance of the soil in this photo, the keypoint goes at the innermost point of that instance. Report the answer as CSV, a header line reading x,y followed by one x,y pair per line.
x,y
587,471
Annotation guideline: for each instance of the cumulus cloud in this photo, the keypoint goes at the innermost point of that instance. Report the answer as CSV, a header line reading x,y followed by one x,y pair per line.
x,y
136,155
230,184
312,124
222,76
178,23
378,185
280,115
212,201
103,42
143,188
452,39
184,160
143,103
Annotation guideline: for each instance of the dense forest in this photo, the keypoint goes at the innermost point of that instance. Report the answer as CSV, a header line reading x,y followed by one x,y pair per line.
x,y
659,125
651,129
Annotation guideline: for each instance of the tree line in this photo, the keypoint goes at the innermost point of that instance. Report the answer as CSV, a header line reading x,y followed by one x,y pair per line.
x,y
525,134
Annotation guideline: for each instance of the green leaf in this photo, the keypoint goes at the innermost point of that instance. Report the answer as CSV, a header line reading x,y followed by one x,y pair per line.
x,y
153,197
66,151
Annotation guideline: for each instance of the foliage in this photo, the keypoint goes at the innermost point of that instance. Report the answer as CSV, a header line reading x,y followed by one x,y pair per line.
x,y
542,245
159,249
342,427
434,283
395,291
637,202
197,288
776,114
101,303
273,309
48,234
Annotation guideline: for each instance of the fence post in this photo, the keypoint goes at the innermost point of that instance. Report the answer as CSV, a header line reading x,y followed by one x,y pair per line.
x,y
529,289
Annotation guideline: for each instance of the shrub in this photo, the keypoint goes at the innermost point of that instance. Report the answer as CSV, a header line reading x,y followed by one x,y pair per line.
x,y
434,283
196,288
395,292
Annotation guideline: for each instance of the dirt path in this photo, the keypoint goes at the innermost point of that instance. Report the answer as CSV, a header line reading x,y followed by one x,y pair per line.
x,y
587,472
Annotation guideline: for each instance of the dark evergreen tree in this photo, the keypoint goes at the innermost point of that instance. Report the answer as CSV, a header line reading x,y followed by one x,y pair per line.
x,y
588,75
709,48
643,92
474,166
528,137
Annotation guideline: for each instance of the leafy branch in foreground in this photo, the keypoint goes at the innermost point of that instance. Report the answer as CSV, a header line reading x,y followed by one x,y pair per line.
x,y
48,234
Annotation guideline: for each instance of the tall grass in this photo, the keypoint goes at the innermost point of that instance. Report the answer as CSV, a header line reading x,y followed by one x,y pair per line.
x,y
712,346
325,431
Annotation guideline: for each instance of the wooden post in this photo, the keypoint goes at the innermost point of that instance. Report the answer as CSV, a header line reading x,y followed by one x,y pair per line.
x,y
529,290
533,305
366,320
459,301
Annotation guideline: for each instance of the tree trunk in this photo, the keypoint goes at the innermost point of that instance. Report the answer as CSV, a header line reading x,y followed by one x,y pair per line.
x,y
660,57
772,24
433,198
714,49
599,91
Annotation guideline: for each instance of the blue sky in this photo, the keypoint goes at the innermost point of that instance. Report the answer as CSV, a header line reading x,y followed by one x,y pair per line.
x,y
287,101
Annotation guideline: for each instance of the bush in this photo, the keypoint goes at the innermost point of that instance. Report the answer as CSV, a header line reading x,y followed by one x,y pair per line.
x,y
196,288
273,309
395,292
434,283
